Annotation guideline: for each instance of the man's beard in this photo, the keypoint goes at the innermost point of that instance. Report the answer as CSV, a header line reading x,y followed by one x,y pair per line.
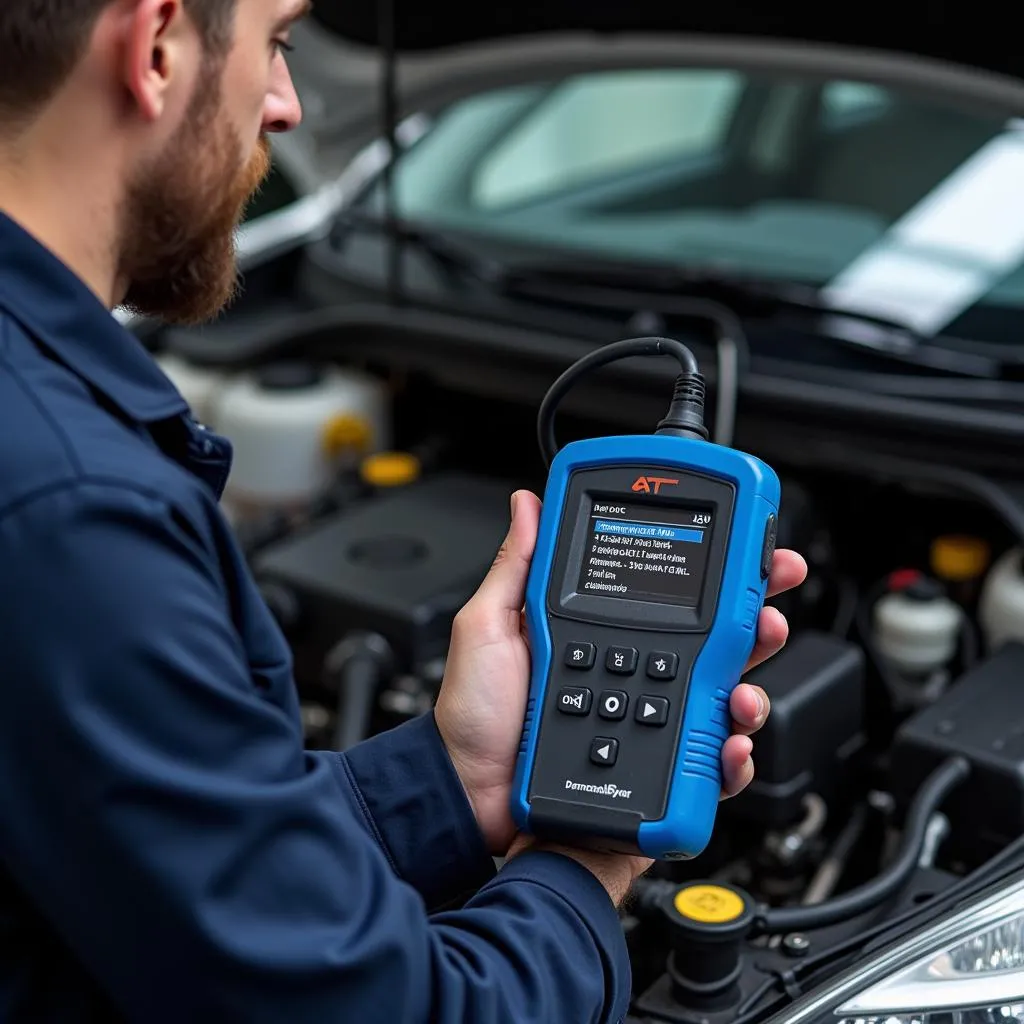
x,y
180,215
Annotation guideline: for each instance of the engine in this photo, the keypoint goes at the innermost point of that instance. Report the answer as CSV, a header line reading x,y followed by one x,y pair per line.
x,y
900,684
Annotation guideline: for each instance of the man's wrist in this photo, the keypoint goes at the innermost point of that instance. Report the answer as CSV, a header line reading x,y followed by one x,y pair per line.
x,y
489,806
615,872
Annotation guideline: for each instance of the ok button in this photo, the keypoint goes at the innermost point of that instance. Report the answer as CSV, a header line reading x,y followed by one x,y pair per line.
x,y
612,705
574,700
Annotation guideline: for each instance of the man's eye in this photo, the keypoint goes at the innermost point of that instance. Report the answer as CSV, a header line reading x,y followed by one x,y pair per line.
x,y
283,46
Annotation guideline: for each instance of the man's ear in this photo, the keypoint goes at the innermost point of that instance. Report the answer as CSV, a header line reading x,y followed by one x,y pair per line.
x,y
157,38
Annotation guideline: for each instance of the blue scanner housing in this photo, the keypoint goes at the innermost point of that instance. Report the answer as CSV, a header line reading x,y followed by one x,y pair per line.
x,y
618,753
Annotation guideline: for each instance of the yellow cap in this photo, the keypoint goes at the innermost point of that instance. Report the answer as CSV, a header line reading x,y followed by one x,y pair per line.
x,y
709,904
958,558
390,469
346,432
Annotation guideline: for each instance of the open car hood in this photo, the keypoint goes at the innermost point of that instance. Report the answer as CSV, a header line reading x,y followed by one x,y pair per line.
x,y
951,32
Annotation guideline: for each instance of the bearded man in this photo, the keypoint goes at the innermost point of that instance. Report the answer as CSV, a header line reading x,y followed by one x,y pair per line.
x,y
169,851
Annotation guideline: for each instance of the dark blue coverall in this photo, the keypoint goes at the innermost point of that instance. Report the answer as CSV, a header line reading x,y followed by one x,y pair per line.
x,y
169,851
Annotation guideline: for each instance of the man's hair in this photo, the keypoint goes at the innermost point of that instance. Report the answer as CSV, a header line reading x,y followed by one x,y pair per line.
x,y
41,41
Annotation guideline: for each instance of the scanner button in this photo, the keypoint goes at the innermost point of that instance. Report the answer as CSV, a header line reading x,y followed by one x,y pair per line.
x,y
652,710
662,664
621,660
771,532
581,656
574,700
612,705
751,605
604,750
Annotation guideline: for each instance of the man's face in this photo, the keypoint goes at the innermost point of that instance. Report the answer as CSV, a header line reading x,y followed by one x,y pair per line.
x,y
182,207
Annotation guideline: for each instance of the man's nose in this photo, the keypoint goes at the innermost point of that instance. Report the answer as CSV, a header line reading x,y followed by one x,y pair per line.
x,y
282,111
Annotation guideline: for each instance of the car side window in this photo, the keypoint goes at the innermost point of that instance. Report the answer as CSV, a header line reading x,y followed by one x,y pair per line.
x,y
595,125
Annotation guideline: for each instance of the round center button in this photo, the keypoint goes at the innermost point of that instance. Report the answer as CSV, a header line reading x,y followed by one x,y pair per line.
x,y
612,705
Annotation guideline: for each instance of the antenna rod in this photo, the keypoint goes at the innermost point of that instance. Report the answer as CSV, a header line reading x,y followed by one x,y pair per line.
x,y
389,113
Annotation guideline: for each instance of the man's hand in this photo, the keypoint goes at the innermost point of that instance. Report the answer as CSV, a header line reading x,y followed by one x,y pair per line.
x,y
482,701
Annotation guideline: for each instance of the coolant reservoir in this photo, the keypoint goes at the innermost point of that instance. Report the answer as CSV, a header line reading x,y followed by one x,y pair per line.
x,y
917,628
198,385
293,426
1001,605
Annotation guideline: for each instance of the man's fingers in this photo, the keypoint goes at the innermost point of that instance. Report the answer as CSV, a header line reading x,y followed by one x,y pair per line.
x,y
772,632
750,706
737,765
500,597
789,570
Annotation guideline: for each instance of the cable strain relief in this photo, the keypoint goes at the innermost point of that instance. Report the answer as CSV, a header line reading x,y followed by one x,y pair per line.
x,y
685,417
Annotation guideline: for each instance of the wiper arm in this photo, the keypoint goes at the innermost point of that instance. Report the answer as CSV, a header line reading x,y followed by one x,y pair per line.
x,y
627,286
453,259
650,287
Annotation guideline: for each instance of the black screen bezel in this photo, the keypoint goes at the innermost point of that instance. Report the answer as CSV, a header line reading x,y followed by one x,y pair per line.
x,y
609,484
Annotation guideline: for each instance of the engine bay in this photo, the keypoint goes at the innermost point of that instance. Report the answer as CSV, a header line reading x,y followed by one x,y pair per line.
x,y
372,504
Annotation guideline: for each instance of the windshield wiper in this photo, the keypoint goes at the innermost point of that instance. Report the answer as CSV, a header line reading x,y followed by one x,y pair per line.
x,y
454,259
626,287
652,288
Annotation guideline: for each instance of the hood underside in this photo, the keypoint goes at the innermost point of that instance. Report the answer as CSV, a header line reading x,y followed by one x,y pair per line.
x,y
943,31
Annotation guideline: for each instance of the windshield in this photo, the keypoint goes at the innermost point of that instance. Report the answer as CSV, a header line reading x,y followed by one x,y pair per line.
x,y
897,204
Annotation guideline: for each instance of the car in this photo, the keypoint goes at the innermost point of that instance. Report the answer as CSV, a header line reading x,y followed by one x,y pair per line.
x,y
828,209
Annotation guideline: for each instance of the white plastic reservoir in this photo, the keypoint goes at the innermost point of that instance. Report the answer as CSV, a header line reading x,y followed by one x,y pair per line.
x,y
1001,605
293,426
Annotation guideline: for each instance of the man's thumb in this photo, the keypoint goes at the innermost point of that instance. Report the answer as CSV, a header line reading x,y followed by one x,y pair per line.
x,y
504,587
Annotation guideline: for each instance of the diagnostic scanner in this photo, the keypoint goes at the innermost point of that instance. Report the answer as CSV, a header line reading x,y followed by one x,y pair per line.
x,y
649,573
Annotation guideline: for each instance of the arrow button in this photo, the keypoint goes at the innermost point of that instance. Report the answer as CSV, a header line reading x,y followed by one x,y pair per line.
x,y
604,750
652,710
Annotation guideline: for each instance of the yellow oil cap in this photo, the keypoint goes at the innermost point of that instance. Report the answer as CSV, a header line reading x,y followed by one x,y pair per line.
x,y
709,904
956,558
346,432
390,469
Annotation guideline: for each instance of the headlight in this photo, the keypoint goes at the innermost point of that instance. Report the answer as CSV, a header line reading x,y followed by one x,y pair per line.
x,y
967,969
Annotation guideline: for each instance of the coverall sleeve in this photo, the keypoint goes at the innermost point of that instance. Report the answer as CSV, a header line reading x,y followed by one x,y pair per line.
x,y
162,814
416,809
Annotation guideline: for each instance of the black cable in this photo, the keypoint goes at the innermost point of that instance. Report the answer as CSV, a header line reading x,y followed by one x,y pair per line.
x,y
356,666
966,482
1004,863
686,412
732,350
857,901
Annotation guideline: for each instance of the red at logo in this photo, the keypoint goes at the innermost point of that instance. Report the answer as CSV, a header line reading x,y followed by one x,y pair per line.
x,y
652,484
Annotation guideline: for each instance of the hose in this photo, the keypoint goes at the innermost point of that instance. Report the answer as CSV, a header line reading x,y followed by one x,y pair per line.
x,y
356,666
857,901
